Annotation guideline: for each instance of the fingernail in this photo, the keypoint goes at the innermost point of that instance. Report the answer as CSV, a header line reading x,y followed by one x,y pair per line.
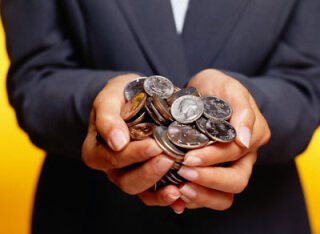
x,y
171,197
188,173
188,192
117,140
192,161
245,136
164,164
153,150
178,211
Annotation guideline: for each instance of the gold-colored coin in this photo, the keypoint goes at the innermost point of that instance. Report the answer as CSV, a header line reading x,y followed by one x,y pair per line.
x,y
131,108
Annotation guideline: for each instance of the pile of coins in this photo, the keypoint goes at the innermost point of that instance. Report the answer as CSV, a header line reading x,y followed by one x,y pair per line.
x,y
178,119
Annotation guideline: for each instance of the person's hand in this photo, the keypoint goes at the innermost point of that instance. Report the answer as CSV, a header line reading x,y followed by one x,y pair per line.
x,y
133,166
212,185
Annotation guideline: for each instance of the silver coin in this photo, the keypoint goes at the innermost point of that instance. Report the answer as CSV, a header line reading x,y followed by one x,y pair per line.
x,y
220,130
216,108
158,85
133,88
171,179
157,135
183,92
187,109
201,124
171,146
186,136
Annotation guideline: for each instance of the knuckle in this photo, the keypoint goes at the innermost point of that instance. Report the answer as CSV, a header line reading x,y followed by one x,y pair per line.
x,y
146,202
87,160
227,203
113,161
123,185
241,184
267,135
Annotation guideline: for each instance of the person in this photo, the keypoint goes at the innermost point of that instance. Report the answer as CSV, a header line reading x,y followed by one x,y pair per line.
x,y
70,61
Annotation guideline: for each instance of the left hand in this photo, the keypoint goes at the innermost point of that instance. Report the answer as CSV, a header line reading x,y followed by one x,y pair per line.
x,y
211,185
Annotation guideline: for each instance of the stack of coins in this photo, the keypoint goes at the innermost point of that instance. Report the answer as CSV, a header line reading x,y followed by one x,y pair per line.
x,y
178,119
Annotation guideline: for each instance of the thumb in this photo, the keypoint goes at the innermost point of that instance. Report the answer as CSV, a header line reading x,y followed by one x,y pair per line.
x,y
108,121
243,119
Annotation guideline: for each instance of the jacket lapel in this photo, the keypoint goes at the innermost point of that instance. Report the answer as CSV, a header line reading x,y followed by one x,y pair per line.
x,y
153,25
207,28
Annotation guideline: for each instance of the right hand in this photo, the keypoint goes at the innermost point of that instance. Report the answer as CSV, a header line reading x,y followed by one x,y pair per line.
x,y
133,166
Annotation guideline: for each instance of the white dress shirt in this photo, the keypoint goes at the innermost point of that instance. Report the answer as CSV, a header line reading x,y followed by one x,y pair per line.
x,y
179,8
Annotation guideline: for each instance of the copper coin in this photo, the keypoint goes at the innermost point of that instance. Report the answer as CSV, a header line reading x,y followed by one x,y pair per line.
x,y
133,88
153,113
186,136
220,130
216,108
162,107
131,108
187,109
141,131
158,85
159,117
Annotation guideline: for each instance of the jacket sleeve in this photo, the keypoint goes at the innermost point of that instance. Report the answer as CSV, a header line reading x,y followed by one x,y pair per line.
x,y
288,90
49,87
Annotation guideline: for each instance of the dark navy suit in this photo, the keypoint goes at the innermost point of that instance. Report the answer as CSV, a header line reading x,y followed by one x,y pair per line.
x,y
64,52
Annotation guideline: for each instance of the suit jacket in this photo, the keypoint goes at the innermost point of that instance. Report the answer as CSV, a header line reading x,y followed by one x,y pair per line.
x,y
63,53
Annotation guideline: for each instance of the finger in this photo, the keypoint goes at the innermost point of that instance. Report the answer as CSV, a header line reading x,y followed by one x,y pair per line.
x,y
135,152
139,179
214,154
233,179
164,197
89,148
178,206
197,196
107,107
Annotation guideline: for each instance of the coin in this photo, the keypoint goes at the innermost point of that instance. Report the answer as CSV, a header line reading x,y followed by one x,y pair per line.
x,y
132,107
133,88
141,131
137,119
162,107
168,144
154,113
216,108
201,124
175,176
220,130
186,136
187,109
157,134
158,85
153,116
183,92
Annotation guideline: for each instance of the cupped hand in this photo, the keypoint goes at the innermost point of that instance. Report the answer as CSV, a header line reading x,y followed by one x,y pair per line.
x,y
210,184
133,166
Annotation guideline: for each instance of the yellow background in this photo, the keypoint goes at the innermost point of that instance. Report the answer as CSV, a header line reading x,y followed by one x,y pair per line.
x,y
20,164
